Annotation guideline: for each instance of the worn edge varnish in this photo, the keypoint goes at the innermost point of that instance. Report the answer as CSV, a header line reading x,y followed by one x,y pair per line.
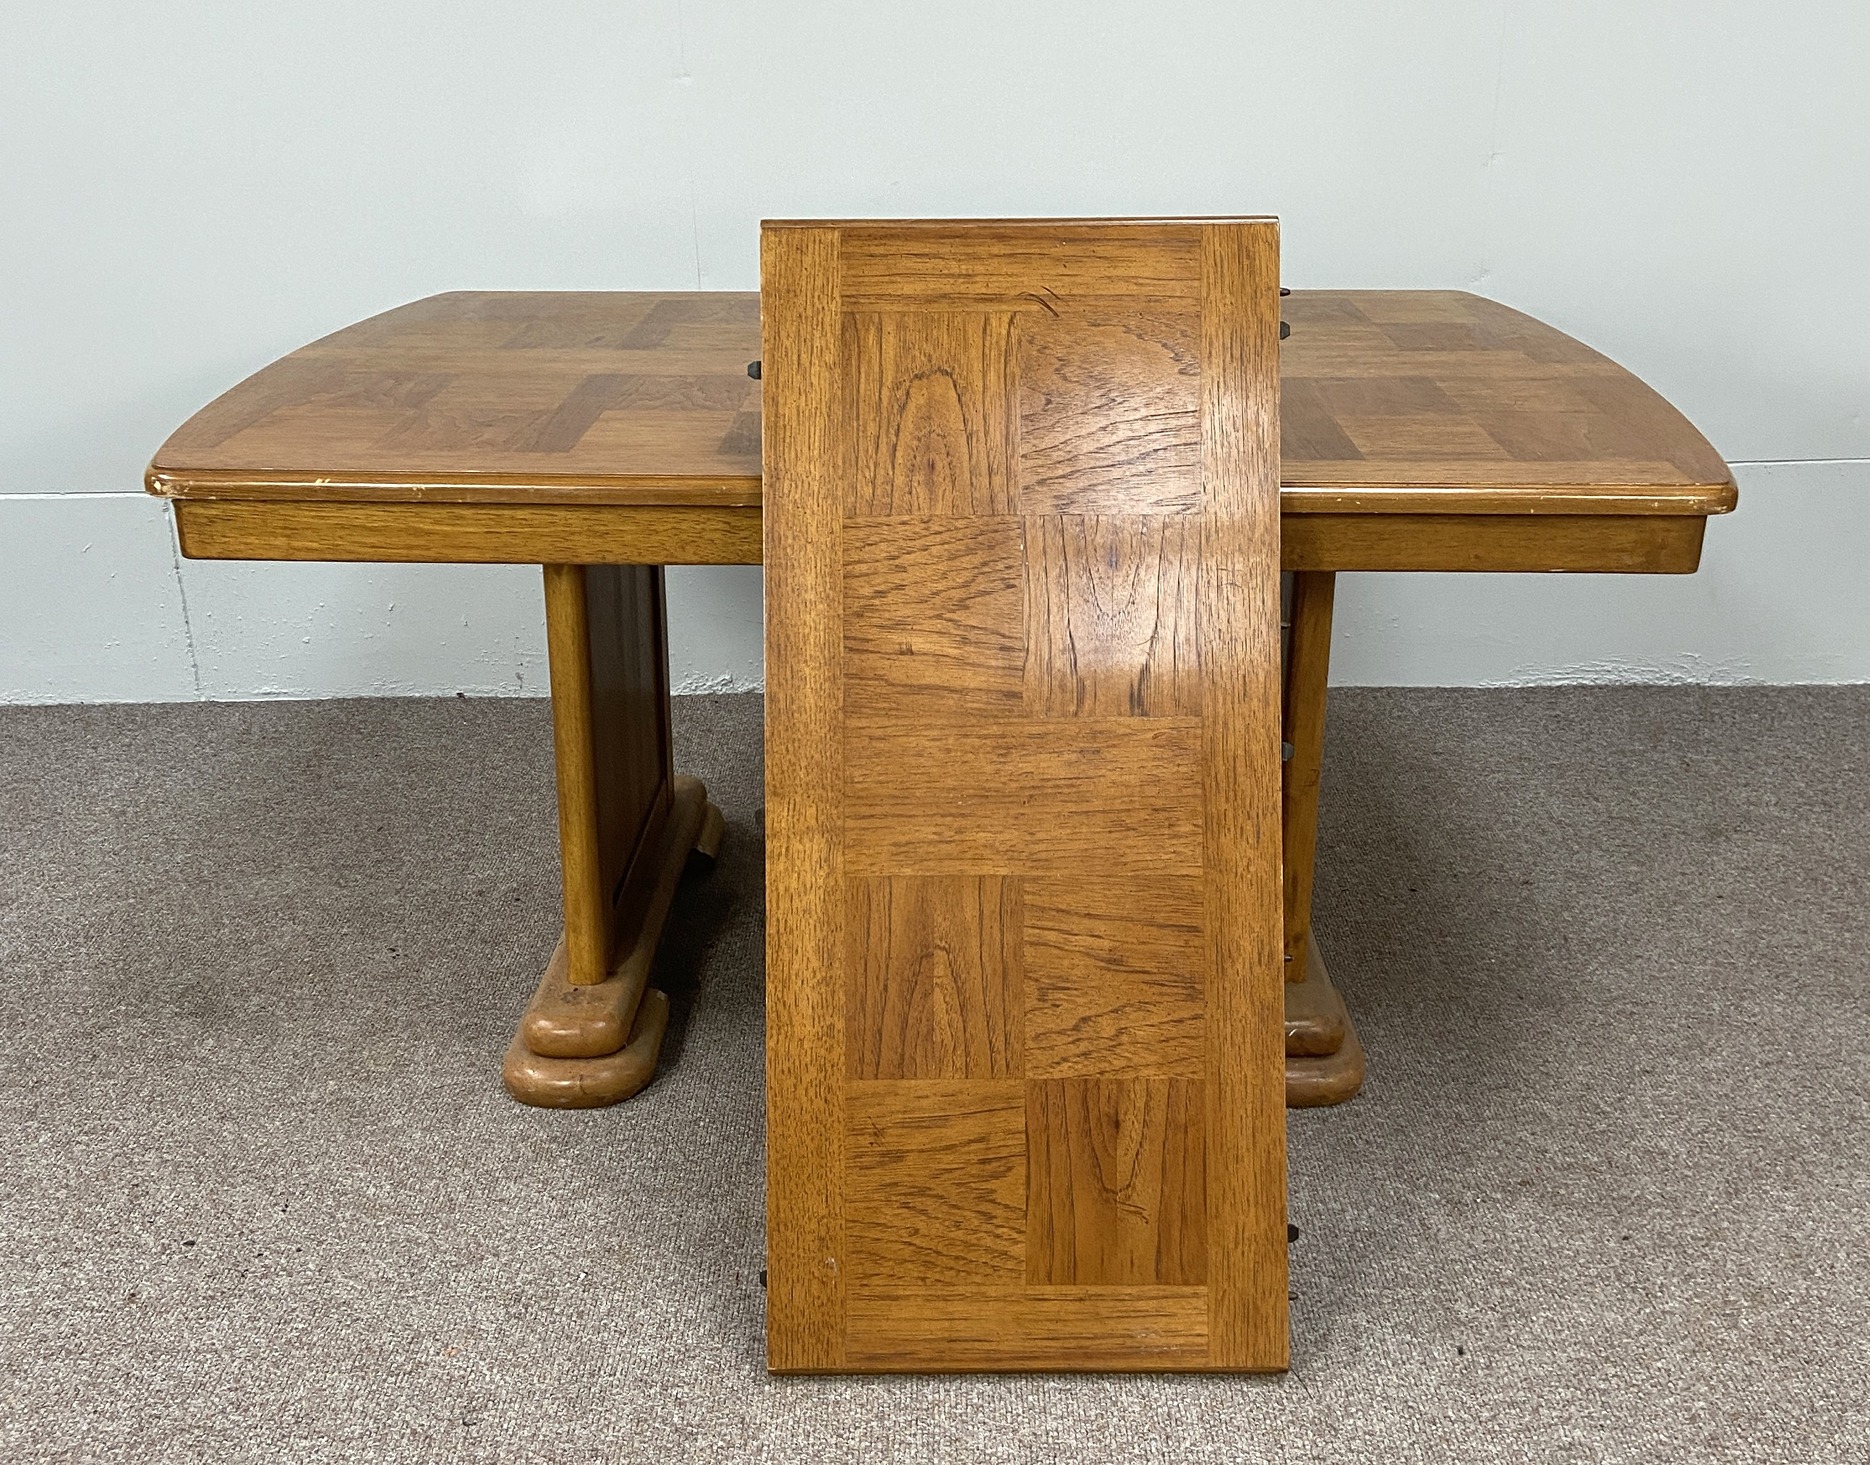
x,y
489,534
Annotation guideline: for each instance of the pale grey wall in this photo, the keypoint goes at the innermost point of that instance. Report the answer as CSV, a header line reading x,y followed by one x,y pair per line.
x,y
191,191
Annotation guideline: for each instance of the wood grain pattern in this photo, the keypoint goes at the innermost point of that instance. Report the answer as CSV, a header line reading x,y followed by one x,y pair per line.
x,y
606,641
519,397
935,977
949,1330
567,1019
1109,414
938,425
1110,616
440,431
1114,976
1117,1187
931,615
953,795
1244,1085
1025,265
936,1188
363,415
805,894
1049,463
1606,544
475,534
1617,542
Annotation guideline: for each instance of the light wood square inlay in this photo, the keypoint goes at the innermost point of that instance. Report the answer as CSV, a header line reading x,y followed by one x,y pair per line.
x,y
1110,413
1114,977
1110,616
933,395
1116,1172
935,1182
933,977
932,616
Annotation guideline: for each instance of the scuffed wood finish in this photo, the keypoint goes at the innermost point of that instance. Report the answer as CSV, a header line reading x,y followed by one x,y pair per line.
x,y
590,1083
569,1019
471,534
1495,543
1423,401
962,1329
1025,1045
1317,1021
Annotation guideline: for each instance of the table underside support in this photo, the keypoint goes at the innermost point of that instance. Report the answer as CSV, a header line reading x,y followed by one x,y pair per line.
x,y
1324,1060
628,829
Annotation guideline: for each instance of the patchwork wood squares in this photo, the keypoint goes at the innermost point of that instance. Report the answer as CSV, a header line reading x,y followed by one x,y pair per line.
x,y
1016,1121
1025,992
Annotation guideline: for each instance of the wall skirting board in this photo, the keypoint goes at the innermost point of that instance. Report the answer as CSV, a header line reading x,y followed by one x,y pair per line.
x,y
98,607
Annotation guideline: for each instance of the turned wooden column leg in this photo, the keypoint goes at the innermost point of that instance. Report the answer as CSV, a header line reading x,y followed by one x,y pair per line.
x,y
1324,1060
628,827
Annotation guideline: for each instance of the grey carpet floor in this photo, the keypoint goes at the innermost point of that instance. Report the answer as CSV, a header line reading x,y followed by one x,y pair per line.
x,y
1606,1196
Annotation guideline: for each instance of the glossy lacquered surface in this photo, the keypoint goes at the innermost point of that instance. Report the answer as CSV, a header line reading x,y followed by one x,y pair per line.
x,y
1390,400
1025,998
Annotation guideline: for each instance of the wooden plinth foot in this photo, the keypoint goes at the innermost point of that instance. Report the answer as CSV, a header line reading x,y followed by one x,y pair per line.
x,y
581,1045
1314,1012
590,1083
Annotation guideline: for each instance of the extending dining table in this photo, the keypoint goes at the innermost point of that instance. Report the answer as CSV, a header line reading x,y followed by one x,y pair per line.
x,y
606,435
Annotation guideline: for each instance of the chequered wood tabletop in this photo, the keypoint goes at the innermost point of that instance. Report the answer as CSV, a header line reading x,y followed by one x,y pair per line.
x,y
623,397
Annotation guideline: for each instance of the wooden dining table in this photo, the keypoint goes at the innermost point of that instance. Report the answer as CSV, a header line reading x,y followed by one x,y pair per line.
x,y
606,435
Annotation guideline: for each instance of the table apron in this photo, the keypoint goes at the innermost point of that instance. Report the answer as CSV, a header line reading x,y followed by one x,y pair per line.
x,y
685,535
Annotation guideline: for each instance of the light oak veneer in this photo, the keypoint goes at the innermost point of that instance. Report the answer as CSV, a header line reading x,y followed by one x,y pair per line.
x,y
1025,997
513,426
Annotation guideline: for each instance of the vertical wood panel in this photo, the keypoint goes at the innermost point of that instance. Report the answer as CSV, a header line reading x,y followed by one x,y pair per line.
x,y
1307,675
805,470
1239,615
634,778
1035,495
581,862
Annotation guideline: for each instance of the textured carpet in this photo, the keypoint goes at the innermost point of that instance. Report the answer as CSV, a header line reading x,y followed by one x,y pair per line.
x,y
1605,1198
